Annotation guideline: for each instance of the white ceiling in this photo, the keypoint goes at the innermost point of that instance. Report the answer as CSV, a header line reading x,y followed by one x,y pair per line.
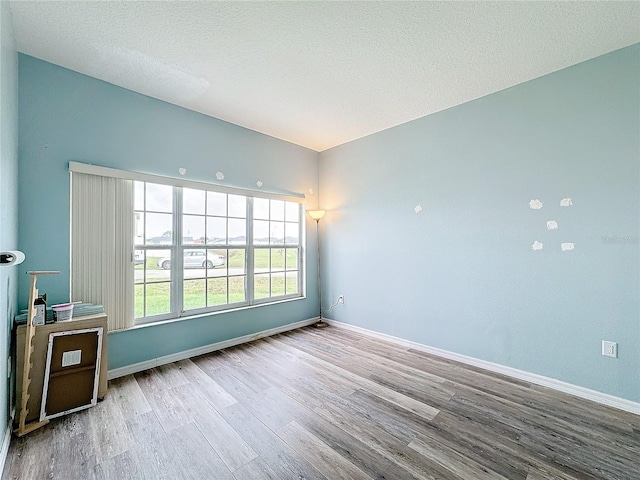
x,y
319,74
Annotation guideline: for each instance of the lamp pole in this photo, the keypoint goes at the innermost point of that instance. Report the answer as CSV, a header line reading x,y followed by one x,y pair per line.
x,y
317,215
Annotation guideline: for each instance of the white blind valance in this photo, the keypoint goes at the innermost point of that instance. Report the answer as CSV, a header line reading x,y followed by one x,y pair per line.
x,y
102,231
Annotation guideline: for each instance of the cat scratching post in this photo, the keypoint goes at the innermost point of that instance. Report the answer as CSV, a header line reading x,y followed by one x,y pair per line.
x,y
23,427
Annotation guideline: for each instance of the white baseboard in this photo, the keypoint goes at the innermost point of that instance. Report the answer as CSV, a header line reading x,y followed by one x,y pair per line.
x,y
582,392
5,446
194,352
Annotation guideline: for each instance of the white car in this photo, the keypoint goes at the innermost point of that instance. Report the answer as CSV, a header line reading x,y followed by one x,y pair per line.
x,y
196,259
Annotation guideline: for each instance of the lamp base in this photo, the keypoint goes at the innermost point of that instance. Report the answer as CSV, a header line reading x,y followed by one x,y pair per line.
x,y
320,324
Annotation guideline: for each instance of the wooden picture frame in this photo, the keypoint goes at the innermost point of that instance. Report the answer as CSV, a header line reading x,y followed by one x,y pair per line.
x,y
72,372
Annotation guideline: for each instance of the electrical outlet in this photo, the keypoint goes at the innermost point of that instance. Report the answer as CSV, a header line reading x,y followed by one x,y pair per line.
x,y
609,349
341,299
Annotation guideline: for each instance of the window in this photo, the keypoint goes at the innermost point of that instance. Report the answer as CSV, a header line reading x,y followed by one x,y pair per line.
x,y
276,240
200,250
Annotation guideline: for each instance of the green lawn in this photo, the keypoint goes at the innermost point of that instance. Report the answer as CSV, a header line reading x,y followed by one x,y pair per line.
x,y
200,293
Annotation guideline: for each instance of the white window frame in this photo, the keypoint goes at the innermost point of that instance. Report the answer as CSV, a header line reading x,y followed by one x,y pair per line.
x,y
176,247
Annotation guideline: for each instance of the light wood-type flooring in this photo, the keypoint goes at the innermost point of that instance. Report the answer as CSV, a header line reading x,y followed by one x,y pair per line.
x,y
329,404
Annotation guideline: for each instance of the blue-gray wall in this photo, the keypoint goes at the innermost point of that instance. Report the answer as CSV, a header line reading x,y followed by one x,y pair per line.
x,y
68,116
461,275
8,196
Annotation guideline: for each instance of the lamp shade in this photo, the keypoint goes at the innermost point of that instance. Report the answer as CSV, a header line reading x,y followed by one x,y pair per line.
x,y
316,214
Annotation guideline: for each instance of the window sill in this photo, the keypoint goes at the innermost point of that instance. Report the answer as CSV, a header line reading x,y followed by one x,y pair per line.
x,y
210,314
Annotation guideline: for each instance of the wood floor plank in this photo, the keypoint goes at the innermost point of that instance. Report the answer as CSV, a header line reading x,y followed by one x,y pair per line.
x,y
548,436
74,458
275,409
30,456
357,452
389,448
165,406
222,437
233,386
410,381
108,430
369,433
73,424
151,446
256,469
172,375
547,473
419,408
317,393
494,446
197,458
213,360
122,466
319,454
456,463
129,396
281,458
216,395
329,404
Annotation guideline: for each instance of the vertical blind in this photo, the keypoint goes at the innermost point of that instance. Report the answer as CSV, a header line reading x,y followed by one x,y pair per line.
x,y
102,231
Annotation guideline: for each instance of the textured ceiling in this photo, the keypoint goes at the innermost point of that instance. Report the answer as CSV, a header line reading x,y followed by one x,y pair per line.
x,y
319,74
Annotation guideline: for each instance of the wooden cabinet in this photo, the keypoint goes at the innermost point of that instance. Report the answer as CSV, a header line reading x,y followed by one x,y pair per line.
x,y
39,358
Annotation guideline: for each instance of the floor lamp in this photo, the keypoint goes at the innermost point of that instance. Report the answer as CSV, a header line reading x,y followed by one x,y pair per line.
x,y
317,215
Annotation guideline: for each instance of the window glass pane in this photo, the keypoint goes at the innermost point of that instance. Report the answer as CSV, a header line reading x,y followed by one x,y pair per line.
x,y
261,260
277,259
276,233
217,204
138,195
193,201
262,286
139,260
277,284
237,231
216,263
260,232
192,229
236,261
158,229
193,258
261,208
159,198
158,274
292,233
236,289
292,211
237,206
217,291
158,259
158,298
194,294
292,259
277,210
138,228
139,300
292,283
216,230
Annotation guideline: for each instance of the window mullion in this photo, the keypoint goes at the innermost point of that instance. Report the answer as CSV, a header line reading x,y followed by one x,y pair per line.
x,y
301,241
250,252
177,255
